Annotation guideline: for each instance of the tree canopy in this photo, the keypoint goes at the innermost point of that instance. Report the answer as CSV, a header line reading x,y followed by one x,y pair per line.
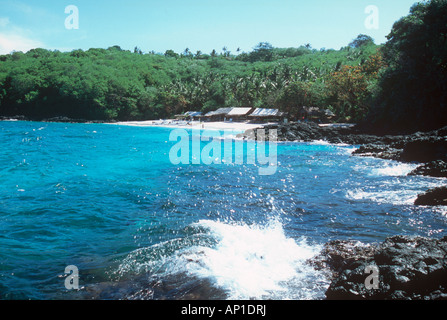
x,y
116,84
412,92
361,40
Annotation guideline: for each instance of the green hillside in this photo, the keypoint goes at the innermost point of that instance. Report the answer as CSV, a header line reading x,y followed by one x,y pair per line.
x,y
114,84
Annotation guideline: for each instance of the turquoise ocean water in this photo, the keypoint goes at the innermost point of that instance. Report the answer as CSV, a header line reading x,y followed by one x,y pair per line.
x,y
108,200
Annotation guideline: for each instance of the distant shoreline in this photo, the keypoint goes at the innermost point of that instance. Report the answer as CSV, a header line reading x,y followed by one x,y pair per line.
x,y
214,125
165,123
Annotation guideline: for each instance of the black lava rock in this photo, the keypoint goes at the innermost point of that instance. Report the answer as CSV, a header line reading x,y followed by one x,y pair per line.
x,y
407,268
425,150
437,168
433,197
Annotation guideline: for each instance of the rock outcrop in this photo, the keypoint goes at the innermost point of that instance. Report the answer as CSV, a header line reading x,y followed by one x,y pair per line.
x,y
400,268
436,168
433,197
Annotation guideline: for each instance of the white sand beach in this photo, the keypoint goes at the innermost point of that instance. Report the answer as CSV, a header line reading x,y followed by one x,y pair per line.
x,y
216,125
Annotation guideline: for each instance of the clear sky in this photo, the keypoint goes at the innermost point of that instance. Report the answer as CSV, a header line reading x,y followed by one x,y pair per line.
x,y
204,25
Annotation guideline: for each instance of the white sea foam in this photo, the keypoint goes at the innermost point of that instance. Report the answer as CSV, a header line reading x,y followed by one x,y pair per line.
x,y
393,184
394,169
246,261
398,191
320,143
255,262
343,147
385,168
397,197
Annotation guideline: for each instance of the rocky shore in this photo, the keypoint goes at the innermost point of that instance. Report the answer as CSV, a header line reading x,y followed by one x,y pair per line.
x,y
400,268
408,268
429,149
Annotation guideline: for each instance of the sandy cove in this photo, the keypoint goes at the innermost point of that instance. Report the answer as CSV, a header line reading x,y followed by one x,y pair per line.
x,y
217,125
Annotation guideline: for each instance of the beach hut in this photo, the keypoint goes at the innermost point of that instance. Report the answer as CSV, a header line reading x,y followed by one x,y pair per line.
x,y
194,115
189,115
239,114
217,115
264,115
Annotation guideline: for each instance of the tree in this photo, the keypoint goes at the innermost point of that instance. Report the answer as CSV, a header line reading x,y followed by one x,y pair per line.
x,y
297,95
413,90
361,40
115,47
350,88
187,53
137,50
262,52
171,53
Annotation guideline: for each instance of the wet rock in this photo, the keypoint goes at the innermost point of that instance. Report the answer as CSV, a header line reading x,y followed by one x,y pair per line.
x,y
408,268
378,151
71,120
146,287
433,197
437,168
425,150
18,118
337,255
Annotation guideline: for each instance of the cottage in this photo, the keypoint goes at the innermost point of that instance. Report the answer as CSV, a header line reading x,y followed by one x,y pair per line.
x,y
194,115
239,114
264,115
189,115
217,115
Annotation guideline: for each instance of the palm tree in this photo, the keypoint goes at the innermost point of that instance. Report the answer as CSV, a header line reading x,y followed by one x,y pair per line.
x,y
187,52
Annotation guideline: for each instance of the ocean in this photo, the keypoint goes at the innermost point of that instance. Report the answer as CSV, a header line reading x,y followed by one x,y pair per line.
x,y
108,202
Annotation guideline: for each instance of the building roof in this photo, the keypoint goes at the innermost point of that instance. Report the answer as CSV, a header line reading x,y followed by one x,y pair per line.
x,y
220,111
329,113
263,112
193,113
239,111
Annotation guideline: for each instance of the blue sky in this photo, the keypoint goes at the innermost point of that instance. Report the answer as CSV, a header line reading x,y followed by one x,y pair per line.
x,y
195,24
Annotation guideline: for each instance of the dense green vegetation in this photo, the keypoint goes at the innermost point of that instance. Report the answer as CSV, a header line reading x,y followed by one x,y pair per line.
x,y
117,84
401,84
412,92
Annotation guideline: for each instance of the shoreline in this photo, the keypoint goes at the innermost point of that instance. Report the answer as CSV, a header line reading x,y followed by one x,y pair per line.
x,y
165,123
213,125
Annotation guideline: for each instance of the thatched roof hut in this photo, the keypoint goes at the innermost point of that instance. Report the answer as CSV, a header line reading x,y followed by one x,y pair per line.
x,y
265,114
239,113
217,115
